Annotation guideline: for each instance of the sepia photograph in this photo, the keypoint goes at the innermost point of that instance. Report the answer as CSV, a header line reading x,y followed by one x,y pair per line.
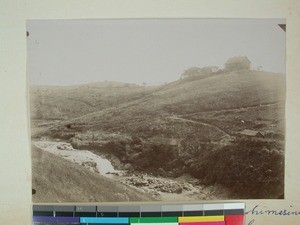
x,y
135,110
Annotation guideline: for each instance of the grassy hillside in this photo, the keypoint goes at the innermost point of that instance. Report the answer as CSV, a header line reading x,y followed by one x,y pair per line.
x,y
203,116
62,181
152,114
268,119
58,102
224,91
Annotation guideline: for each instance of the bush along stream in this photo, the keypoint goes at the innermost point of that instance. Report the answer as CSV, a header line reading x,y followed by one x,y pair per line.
x,y
184,187
249,168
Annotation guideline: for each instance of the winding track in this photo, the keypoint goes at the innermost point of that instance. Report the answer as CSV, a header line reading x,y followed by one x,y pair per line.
x,y
174,117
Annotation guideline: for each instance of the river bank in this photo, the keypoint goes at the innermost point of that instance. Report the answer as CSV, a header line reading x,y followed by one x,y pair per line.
x,y
184,188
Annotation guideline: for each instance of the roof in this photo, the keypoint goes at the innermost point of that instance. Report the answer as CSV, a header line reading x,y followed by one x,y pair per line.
x,y
238,60
250,132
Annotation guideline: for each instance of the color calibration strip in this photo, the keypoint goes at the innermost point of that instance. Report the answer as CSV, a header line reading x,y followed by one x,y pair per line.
x,y
196,214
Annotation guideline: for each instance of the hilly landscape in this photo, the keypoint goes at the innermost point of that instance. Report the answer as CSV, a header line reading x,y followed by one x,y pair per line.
x,y
196,126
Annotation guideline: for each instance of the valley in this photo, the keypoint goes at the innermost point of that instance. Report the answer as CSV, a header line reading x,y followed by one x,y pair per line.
x,y
159,188
182,140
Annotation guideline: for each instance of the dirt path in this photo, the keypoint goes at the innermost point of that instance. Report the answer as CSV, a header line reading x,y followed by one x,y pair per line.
x,y
232,109
175,117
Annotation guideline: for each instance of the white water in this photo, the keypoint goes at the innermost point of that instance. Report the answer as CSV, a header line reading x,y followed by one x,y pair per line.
x,y
82,157
96,163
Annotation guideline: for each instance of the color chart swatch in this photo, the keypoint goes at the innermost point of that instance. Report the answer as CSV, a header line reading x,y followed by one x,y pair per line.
x,y
196,214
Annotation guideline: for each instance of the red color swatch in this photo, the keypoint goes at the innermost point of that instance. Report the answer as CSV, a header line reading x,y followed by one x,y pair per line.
x,y
234,219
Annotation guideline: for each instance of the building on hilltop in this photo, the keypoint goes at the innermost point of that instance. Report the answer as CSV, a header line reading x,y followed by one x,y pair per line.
x,y
197,71
191,72
238,63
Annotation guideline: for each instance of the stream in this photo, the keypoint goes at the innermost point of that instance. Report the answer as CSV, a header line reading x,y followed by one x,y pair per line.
x,y
184,188
84,158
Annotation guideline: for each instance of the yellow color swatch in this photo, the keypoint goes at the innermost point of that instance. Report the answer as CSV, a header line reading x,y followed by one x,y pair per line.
x,y
188,219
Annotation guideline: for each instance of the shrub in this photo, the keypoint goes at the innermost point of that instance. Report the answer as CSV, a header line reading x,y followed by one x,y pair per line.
x,y
251,169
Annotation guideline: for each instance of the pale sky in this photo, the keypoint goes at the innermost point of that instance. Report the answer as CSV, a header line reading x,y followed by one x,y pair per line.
x,y
68,52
